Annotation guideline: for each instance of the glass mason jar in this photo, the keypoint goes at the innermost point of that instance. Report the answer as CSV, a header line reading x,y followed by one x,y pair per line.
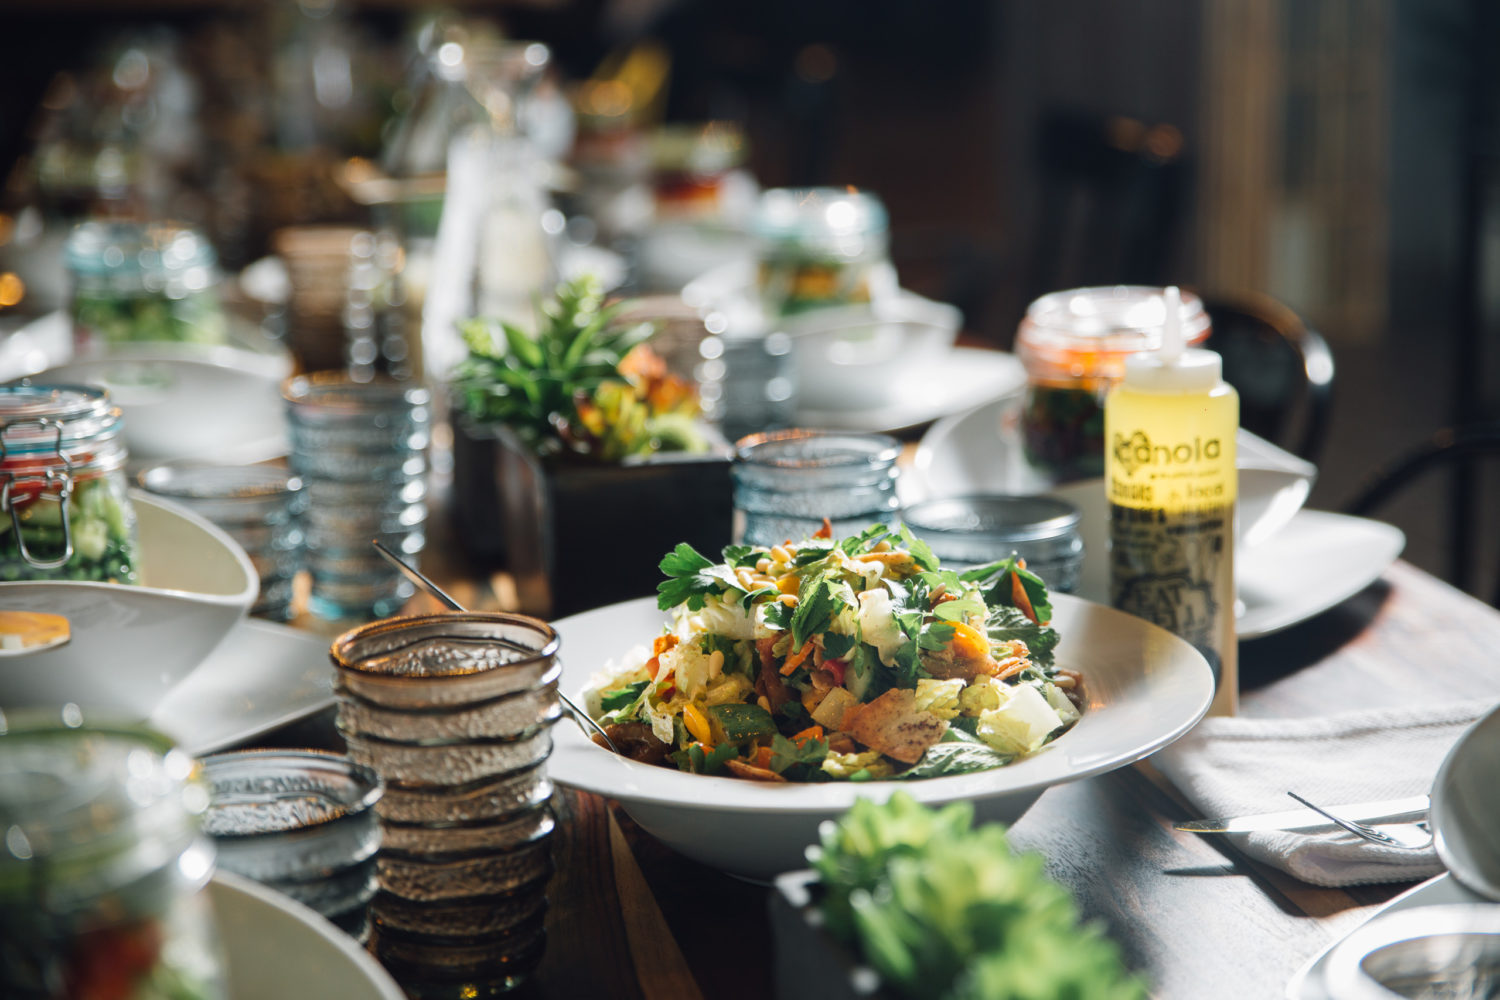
x,y
787,482
1074,345
64,510
102,865
821,247
135,282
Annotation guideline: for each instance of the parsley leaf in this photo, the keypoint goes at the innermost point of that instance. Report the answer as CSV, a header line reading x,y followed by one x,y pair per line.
x,y
688,582
920,551
956,753
778,616
960,609
995,581
815,609
695,760
742,556
785,753
837,645
619,698
1007,623
864,541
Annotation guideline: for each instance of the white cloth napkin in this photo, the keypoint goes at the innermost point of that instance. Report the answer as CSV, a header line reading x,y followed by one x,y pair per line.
x,y
1239,766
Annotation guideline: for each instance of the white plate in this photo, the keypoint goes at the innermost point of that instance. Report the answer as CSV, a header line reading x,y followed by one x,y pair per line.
x,y
1145,688
263,675
1308,983
960,379
1318,560
1466,807
278,949
190,401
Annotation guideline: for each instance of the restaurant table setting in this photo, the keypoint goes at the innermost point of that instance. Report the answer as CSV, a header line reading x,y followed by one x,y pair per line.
x,y
474,847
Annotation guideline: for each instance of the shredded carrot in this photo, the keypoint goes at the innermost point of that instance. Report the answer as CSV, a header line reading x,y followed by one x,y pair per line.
x,y
761,758
652,666
1018,594
810,733
826,531
796,659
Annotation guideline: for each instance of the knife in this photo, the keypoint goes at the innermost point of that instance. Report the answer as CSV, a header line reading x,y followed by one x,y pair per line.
x,y
1383,811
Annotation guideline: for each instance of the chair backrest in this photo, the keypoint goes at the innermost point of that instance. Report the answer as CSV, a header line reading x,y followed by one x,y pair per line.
x,y
1110,204
1282,370
1456,450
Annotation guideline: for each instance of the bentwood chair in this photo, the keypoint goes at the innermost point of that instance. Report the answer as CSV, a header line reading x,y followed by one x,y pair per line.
x,y
1282,370
1458,450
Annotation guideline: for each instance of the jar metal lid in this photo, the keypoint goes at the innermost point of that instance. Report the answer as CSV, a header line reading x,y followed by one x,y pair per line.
x,y
128,248
994,517
803,449
42,418
89,807
820,218
203,481
1099,327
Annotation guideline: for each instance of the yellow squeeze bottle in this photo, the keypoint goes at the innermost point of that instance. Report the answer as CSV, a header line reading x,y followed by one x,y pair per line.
x,y
1169,469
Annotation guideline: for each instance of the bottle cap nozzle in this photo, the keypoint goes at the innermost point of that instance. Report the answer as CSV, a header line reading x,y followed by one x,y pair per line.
x,y
1171,330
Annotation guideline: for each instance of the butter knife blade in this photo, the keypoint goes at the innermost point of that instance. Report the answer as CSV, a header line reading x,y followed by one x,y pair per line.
x,y
1383,811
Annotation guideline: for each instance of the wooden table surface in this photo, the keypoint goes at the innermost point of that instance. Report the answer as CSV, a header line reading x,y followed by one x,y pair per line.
x,y
631,918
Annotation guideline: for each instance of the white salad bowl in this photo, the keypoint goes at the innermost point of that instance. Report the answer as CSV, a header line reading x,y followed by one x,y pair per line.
x,y
131,644
1144,687
1465,812
206,401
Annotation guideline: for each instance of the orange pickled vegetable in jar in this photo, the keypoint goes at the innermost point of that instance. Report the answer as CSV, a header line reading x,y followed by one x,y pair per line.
x,y
1074,345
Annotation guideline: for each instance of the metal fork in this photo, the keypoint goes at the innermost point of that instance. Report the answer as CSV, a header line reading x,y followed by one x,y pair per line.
x,y
1369,832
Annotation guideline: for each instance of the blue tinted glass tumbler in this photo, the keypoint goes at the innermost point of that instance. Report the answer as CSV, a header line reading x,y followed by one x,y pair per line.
x,y
454,712
787,482
360,449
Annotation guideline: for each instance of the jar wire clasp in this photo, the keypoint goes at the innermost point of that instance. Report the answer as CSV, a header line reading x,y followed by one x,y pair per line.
x,y
48,478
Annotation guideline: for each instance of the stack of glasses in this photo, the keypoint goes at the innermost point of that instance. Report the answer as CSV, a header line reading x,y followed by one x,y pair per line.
x,y
360,449
256,505
300,821
454,712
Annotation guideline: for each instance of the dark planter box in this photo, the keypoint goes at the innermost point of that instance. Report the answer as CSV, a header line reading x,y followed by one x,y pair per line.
x,y
577,535
811,965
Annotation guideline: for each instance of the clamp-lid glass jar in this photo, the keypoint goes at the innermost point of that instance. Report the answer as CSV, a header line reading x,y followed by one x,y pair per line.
x,y
102,864
64,510
1074,345
134,282
821,247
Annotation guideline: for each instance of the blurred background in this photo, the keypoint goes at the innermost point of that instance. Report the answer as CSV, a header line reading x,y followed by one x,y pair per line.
x,y
1336,155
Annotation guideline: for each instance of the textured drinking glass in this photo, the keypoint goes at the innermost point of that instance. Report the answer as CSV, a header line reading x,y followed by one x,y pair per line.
x,y
256,505
454,712
787,482
302,822
971,531
361,451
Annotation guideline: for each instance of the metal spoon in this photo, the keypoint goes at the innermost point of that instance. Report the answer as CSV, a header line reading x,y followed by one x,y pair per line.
x,y
1368,832
579,715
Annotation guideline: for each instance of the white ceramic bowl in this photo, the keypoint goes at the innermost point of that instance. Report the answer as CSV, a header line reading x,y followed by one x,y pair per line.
x,y
206,401
1465,812
977,452
1145,688
275,948
845,357
131,644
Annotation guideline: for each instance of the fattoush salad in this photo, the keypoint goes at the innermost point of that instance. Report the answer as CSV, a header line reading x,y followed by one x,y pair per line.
x,y
848,659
